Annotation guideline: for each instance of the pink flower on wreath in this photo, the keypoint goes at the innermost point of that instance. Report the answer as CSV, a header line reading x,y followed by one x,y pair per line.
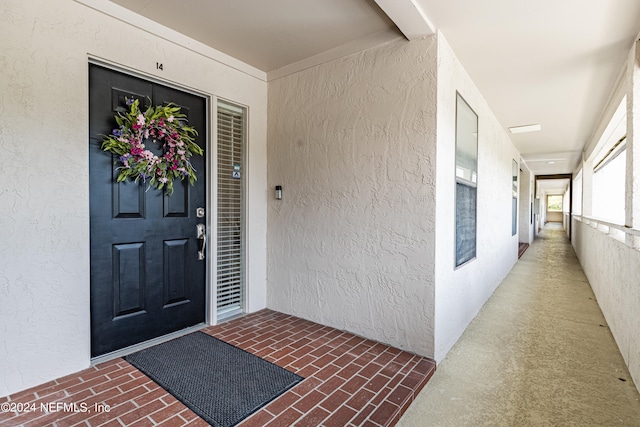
x,y
170,119
163,179
141,119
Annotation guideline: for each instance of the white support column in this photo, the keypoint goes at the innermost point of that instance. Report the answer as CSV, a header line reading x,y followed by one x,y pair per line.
x,y
587,189
632,187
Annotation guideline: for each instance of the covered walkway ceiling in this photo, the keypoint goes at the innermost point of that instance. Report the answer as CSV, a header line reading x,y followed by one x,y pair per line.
x,y
546,62
552,186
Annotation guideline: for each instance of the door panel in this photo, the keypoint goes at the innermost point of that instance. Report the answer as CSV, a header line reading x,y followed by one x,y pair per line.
x,y
146,279
175,273
128,279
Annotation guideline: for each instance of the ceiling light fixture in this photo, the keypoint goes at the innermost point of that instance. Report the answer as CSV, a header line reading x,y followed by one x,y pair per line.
x,y
525,128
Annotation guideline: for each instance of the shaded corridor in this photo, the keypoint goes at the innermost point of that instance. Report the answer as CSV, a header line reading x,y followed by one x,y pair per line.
x,y
538,353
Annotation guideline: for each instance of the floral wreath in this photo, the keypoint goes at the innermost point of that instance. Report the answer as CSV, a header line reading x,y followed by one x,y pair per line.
x,y
163,124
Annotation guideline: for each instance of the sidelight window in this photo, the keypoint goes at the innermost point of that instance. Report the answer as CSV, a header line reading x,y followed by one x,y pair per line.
x,y
231,210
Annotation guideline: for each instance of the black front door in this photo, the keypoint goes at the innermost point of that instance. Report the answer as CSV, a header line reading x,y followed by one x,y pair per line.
x,y
146,278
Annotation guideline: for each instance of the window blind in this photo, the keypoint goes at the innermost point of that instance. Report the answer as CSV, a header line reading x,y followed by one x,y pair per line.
x,y
231,230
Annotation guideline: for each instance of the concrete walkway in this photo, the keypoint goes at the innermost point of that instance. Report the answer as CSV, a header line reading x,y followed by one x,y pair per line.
x,y
539,353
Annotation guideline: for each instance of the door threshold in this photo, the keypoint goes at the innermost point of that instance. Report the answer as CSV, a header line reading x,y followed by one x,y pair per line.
x,y
230,316
144,345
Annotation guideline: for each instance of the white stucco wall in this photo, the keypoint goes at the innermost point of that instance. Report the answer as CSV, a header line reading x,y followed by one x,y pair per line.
x,y
44,202
351,244
460,293
613,269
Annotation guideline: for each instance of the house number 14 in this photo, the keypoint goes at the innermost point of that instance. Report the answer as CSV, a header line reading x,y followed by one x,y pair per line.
x,y
159,66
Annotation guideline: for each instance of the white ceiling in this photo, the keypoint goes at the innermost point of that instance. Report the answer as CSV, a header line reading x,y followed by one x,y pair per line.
x,y
551,186
552,62
267,34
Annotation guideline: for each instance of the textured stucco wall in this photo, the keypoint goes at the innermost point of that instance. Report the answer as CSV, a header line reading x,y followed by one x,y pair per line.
x,y
460,293
352,142
613,269
44,200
